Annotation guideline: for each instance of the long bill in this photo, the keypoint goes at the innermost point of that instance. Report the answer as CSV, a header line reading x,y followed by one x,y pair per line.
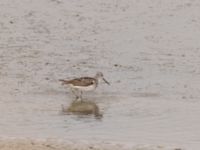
x,y
106,81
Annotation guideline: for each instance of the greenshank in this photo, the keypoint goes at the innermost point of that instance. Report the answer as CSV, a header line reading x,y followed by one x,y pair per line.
x,y
78,85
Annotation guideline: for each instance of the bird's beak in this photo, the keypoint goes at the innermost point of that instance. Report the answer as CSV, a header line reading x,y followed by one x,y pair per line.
x,y
106,81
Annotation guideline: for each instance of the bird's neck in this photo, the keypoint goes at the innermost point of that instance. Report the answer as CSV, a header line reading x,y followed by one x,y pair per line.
x,y
97,79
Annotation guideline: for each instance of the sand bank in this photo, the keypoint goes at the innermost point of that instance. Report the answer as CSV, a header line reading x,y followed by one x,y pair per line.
x,y
30,144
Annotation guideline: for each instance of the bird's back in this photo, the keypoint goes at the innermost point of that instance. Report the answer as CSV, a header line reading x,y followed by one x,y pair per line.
x,y
84,81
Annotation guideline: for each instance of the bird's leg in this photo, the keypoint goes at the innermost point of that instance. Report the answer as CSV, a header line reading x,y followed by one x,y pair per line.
x,y
81,96
74,91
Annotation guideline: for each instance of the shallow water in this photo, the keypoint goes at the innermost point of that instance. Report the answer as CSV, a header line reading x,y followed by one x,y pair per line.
x,y
125,119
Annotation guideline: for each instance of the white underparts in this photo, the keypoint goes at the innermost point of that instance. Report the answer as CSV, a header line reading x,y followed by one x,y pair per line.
x,y
84,88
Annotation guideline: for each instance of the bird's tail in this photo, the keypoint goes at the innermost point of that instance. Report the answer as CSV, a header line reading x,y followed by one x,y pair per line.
x,y
64,81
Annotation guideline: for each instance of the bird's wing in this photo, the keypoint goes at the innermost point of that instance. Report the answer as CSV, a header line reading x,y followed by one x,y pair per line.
x,y
84,81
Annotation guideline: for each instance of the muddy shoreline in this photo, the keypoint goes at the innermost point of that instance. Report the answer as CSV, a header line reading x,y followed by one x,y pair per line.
x,y
49,144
